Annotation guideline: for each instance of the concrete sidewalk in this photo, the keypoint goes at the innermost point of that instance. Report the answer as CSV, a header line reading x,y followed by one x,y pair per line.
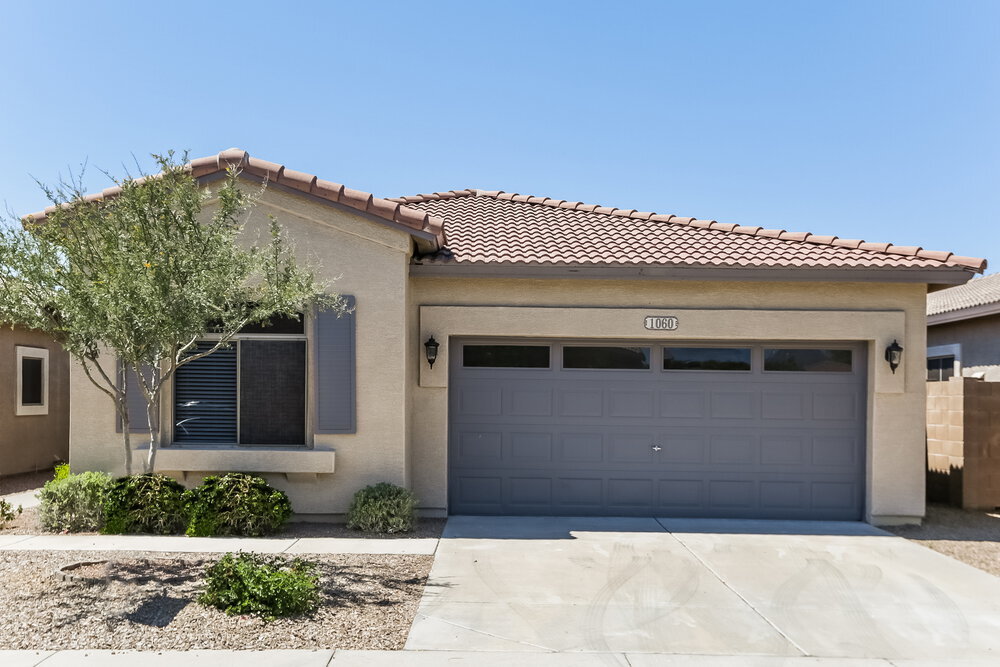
x,y
343,658
181,544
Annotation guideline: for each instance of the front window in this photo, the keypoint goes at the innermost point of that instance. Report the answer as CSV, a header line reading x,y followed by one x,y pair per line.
x,y
252,392
32,381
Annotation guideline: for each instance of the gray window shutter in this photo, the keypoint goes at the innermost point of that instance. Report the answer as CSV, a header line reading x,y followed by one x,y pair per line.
x,y
335,371
136,404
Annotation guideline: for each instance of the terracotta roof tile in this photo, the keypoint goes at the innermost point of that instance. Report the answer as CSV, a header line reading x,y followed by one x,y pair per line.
x,y
498,227
390,210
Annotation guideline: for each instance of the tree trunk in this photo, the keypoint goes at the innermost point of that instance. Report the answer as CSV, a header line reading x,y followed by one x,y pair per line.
x,y
154,433
123,413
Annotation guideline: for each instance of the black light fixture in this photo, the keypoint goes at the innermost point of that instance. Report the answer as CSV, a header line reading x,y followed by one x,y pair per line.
x,y
431,348
893,354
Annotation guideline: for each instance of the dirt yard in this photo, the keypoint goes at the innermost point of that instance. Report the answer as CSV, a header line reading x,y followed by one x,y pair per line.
x,y
969,536
148,602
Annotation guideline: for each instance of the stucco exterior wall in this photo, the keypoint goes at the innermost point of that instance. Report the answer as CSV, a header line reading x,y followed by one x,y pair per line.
x,y
32,442
896,411
980,341
369,261
402,408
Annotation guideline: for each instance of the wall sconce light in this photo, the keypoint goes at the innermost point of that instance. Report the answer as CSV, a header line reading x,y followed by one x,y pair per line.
x,y
894,354
431,348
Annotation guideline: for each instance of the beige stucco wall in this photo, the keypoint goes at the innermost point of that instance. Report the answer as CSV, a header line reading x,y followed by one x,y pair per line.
x,y
368,260
32,442
980,341
402,406
871,312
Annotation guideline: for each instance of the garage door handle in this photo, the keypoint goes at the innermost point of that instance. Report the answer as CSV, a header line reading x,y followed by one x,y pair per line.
x,y
657,448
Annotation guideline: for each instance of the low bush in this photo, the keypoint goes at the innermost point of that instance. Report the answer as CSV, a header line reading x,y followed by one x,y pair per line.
x,y
144,504
73,503
8,512
383,508
266,586
236,504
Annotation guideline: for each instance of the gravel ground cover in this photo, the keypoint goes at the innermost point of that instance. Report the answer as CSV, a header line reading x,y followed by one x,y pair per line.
x,y
24,482
148,602
969,536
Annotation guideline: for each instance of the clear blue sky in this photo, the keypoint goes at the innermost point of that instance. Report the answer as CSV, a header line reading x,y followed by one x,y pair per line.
x,y
866,119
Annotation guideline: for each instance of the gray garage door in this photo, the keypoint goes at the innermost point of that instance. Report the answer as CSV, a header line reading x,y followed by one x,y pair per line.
x,y
750,430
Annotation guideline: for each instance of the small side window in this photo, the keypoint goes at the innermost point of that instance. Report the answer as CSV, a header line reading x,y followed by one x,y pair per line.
x,y
808,360
940,369
505,356
32,381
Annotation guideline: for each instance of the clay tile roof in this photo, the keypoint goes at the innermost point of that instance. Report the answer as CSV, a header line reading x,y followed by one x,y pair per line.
x,y
395,211
979,291
496,227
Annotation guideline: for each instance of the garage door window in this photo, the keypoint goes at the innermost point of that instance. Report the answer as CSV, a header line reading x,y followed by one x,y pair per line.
x,y
808,360
505,356
706,358
606,357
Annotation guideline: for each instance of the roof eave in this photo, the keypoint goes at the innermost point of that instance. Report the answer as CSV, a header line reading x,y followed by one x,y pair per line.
x,y
944,275
960,314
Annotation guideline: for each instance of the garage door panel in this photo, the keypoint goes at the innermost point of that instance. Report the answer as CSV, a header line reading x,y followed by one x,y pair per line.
x,y
626,493
680,494
531,447
630,403
733,449
733,405
525,402
683,404
588,403
657,443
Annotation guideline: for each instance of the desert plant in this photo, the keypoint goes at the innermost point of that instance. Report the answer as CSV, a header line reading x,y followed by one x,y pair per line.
x,y
73,503
236,504
267,586
8,512
144,504
383,508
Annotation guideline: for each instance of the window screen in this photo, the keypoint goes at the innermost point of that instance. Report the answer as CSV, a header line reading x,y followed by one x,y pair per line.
x,y
205,397
272,392
32,380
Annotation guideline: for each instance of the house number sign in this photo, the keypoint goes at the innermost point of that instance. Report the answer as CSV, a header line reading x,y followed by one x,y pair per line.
x,y
660,322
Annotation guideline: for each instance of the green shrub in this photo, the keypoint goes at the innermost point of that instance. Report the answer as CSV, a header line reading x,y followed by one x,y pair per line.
x,y
73,503
382,508
236,504
8,513
267,586
144,504
61,471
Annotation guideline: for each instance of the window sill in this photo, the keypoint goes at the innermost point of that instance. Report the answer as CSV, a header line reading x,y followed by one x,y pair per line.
x,y
244,459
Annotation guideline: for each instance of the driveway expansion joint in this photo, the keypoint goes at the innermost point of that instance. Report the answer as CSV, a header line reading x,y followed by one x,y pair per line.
x,y
735,592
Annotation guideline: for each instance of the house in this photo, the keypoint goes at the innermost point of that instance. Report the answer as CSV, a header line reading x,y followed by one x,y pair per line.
x,y
963,330
963,402
510,354
34,410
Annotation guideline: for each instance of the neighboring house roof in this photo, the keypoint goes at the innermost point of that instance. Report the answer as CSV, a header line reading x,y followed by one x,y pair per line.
x,y
413,220
497,228
976,298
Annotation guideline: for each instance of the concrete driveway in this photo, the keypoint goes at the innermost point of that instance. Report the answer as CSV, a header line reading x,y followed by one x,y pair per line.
x,y
709,587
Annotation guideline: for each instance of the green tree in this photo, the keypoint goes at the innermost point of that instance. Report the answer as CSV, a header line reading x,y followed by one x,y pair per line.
x,y
143,275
